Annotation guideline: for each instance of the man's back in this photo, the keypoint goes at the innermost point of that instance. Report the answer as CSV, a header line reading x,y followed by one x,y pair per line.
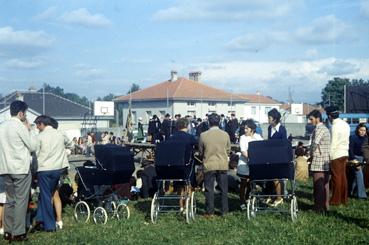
x,y
51,154
340,139
214,146
15,146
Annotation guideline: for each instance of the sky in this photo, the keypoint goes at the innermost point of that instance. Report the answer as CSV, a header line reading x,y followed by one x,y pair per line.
x,y
96,47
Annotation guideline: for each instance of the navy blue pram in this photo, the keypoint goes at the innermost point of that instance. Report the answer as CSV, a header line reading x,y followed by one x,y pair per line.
x,y
114,166
174,164
271,161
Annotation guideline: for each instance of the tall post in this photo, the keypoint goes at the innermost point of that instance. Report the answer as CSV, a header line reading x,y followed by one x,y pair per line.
x,y
43,99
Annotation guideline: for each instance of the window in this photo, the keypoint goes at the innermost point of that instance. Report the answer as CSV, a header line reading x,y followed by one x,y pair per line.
x,y
267,109
253,110
191,113
148,115
162,114
212,104
134,117
191,103
355,120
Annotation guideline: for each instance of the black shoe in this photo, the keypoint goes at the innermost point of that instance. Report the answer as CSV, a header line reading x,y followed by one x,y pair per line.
x,y
19,238
7,236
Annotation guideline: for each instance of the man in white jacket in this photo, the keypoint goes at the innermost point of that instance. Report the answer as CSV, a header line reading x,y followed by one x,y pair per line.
x,y
51,159
16,144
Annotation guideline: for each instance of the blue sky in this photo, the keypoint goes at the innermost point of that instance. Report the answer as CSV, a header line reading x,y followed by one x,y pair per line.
x,y
96,47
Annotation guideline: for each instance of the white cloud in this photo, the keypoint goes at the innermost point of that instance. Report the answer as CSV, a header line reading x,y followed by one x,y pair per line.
x,y
24,38
326,29
226,9
28,63
47,14
311,53
87,72
273,78
84,18
322,30
339,68
364,8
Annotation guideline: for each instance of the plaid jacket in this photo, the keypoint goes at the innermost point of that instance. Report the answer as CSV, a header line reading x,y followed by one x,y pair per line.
x,y
319,149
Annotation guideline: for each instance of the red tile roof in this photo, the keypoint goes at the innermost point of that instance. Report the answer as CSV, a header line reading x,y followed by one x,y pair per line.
x,y
180,89
260,99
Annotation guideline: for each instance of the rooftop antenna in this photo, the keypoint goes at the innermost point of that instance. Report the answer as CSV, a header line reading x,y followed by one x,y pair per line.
x,y
290,93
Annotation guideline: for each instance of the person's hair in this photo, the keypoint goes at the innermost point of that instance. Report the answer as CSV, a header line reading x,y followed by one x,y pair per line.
x,y
17,106
300,143
332,111
182,123
43,119
111,133
54,123
274,113
154,116
250,124
316,114
214,119
233,115
139,173
300,152
199,120
167,115
221,115
360,125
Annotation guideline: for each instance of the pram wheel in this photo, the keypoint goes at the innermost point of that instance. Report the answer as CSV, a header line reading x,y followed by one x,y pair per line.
x,y
100,216
154,208
82,212
123,212
193,206
188,210
294,208
110,208
251,210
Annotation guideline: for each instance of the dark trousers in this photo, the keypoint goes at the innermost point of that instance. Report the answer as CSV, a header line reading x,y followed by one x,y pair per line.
x,y
339,181
47,181
222,180
17,188
321,191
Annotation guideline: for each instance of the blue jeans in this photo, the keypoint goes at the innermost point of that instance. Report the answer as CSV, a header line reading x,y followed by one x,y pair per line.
x,y
47,181
359,183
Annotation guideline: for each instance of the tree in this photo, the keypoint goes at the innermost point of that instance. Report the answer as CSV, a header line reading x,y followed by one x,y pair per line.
x,y
135,87
333,93
108,97
70,96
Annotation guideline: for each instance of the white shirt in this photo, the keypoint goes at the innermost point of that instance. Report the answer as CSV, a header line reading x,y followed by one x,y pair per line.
x,y
16,145
51,154
340,138
275,129
243,167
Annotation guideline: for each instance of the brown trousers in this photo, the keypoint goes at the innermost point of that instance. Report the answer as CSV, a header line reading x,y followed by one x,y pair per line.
x,y
321,191
339,181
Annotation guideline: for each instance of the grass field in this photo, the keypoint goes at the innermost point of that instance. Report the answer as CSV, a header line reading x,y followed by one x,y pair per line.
x,y
342,225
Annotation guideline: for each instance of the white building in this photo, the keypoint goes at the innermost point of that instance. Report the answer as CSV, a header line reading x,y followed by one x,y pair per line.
x,y
192,97
180,95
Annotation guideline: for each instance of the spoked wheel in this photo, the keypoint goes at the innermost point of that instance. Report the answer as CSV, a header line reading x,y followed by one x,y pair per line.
x,y
111,208
122,212
154,208
100,216
293,208
82,212
193,206
251,209
188,210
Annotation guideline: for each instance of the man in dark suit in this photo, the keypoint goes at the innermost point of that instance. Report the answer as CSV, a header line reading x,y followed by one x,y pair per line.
x,y
166,127
214,148
232,128
153,130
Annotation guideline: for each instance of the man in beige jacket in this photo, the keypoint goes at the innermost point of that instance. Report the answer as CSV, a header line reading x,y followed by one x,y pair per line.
x,y
214,148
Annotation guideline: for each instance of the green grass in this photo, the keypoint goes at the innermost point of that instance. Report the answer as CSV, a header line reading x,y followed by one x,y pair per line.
x,y
342,225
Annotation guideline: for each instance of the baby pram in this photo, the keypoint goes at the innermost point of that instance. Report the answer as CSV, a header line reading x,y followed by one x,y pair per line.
x,y
174,165
270,161
114,166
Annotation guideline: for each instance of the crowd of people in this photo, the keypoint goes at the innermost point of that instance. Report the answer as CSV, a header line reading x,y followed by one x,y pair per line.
x,y
334,160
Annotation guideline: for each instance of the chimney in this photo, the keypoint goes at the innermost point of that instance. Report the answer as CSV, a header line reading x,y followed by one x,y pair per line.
x,y
19,96
173,76
195,76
